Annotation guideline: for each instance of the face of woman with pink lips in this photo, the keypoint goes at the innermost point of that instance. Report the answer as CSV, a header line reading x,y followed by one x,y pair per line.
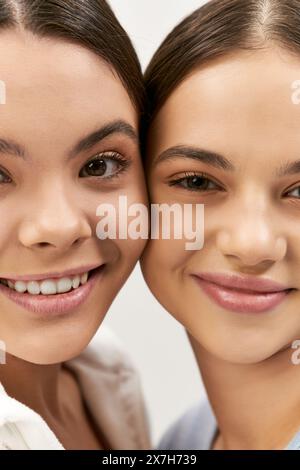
x,y
58,94
240,129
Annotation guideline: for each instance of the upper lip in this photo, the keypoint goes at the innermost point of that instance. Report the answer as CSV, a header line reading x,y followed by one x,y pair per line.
x,y
53,274
248,283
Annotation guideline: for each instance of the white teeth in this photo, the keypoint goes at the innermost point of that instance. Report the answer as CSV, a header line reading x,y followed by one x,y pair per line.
x,y
64,285
20,286
33,287
48,286
76,282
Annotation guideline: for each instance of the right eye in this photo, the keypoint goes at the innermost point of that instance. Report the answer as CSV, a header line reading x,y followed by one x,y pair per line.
x,y
106,165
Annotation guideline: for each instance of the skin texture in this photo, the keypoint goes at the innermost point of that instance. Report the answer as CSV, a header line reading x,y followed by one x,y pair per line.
x,y
58,93
241,108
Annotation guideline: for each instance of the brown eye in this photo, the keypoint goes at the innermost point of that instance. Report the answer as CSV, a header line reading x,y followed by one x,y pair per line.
x,y
103,166
97,167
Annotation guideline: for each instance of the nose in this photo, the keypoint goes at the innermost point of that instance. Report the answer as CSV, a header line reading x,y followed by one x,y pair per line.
x,y
251,236
54,221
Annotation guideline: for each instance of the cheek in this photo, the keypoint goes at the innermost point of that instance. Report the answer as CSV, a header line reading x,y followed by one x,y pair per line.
x,y
130,252
136,188
10,216
158,190
163,263
122,235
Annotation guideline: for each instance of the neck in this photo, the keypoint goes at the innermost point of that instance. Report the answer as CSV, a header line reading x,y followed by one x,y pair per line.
x,y
35,385
256,405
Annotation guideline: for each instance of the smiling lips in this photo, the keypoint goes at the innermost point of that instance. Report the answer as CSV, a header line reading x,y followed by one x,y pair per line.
x,y
242,294
27,291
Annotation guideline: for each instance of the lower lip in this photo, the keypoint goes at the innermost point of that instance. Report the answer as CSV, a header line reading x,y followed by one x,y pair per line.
x,y
241,302
55,304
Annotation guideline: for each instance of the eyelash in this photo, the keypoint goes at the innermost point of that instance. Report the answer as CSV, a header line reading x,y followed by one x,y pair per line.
x,y
187,176
123,162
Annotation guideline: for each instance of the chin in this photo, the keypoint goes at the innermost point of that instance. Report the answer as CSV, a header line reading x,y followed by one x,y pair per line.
x,y
237,348
52,347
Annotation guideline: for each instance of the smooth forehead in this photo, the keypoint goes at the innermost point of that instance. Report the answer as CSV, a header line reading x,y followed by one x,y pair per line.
x,y
56,73
242,98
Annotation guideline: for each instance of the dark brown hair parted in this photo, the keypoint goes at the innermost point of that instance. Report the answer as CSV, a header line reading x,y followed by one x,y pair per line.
x,y
217,29
89,23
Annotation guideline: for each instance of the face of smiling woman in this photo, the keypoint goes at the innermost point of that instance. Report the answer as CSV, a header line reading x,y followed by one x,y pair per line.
x,y
58,94
240,129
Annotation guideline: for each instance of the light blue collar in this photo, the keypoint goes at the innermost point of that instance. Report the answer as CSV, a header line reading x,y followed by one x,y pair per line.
x,y
294,444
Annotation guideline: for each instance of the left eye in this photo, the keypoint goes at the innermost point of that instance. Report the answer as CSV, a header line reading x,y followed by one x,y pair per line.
x,y
195,183
297,190
103,166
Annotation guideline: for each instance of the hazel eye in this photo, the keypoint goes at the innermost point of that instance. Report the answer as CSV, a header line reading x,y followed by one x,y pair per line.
x,y
195,182
198,183
104,166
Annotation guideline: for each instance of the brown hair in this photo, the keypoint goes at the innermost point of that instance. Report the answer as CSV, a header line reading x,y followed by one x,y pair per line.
x,y
218,28
90,23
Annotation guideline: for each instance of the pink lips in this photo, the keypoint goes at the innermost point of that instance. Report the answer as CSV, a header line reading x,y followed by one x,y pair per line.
x,y
54,305
243,294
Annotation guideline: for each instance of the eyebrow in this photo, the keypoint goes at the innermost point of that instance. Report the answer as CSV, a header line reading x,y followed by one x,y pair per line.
x,y
194,153
12,148
8,146
116,127
289,168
